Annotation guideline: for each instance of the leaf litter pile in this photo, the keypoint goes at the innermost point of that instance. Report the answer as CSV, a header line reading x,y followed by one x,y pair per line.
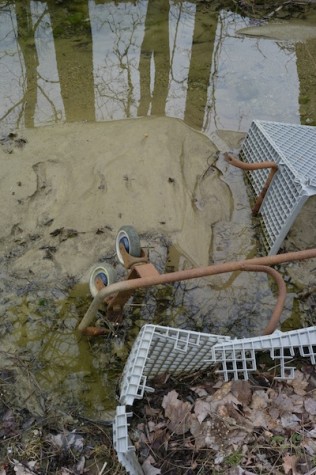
x,y
197,424
43,435
209,426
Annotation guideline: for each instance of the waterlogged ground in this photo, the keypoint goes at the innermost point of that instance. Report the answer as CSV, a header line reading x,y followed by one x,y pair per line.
x,y
67,188
55,241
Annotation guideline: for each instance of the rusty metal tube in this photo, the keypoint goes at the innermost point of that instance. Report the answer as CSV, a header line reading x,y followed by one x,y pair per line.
x,y
255,166
186,275
275,318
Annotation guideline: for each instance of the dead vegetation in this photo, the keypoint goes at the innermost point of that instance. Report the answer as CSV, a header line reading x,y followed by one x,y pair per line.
x,y
198,424
208,426
39,435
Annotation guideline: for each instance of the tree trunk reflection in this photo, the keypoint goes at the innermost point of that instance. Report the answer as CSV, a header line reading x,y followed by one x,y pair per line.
x,y
200,66
73,46
27,44
155,51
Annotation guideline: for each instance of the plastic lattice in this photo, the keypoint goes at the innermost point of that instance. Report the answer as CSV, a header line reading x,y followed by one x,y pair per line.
x,y
238,357
159,350
122,444
293,148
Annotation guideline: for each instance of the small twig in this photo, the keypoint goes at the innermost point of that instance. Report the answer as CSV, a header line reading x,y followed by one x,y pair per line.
x,y
311,472
103,468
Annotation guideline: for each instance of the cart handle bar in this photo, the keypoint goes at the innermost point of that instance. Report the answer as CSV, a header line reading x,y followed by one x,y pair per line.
x,y
255,166
244,265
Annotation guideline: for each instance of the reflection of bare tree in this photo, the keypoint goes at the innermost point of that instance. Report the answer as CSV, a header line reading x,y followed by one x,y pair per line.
x,y
200,66
27,45
115,75
225,22
21,54
155,51
73,46
211,106
236,93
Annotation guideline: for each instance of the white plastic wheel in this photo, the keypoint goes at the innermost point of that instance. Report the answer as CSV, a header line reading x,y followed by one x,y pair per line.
x,y
127,236
101,275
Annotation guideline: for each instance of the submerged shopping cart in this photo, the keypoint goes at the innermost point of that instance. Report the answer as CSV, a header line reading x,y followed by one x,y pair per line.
x,y
165,350
160,350
141,273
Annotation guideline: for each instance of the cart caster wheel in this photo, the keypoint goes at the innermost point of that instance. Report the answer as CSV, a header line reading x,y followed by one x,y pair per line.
x,y
101,275
130,240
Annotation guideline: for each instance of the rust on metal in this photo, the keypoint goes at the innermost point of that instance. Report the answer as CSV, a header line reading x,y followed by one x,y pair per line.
x,y
99,284
95,331
157,279
277,312
146,270
131,261
255,166
115,303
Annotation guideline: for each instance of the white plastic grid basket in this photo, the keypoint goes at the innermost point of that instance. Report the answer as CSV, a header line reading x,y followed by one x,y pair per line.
x,y
122,444
238,357
293,148
160,350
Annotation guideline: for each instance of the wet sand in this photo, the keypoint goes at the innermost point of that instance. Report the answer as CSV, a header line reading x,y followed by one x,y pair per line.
x,y
71,187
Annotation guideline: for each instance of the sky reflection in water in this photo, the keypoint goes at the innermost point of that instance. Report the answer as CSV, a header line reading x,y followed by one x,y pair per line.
x,y
145,68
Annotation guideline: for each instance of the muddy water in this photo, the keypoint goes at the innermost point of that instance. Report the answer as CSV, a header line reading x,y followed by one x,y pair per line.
x,y
105,61
73,372
99,61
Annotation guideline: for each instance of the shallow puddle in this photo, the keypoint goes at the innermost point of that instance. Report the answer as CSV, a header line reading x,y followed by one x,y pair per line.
x,y
80,374
99,61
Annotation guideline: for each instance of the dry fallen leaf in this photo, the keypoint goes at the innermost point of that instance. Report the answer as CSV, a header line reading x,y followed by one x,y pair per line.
x,y
201,409
259,399
298,402
280,405
148,468
198,431
226,420
159,439
233,413
298,383
169,399
23,469
66,441
223,391
200,391
290,421
215,404
151,426
178,412
204,435
242,391
310,446
310,405
237,437
260,418
289,464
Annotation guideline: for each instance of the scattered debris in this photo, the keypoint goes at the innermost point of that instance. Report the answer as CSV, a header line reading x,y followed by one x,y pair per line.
x,y
11,141
235,427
